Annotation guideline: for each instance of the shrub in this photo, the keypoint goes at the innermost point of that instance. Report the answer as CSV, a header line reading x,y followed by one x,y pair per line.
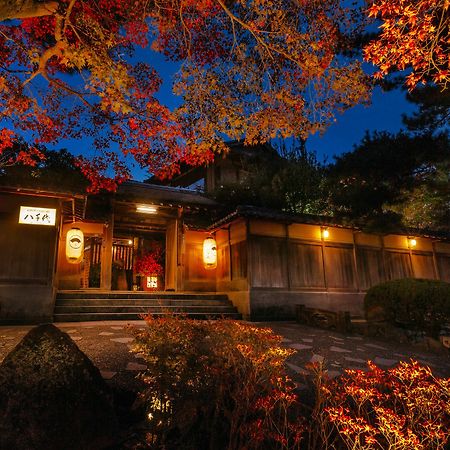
x,y
215,384
415,303
404,408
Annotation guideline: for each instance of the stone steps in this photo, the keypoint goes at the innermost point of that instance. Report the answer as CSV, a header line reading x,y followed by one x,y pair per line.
x,y
85,306
67,302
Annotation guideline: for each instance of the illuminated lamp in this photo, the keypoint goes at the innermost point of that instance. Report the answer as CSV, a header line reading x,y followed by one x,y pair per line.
x,y
152,282
74,246
130,241
412,242
147,209
325,233
210,253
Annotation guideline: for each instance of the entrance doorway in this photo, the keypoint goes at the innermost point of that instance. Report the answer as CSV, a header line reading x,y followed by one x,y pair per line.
x,y
92,262
138,261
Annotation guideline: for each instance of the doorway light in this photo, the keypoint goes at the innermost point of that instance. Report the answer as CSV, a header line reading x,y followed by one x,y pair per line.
x,y
147,209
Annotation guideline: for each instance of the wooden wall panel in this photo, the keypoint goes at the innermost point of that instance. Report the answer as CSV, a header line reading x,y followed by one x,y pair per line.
x,y
303,231
398,265
443,262
239,260
395,241
339,268
423,244
266,228
370,267
27,251
268,263
341,235
367,240
221,237
223,262
442,247
238,232
306,265
194,267
423,266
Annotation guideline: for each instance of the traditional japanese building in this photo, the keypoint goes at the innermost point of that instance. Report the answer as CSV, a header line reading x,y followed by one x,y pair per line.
x,y
68,256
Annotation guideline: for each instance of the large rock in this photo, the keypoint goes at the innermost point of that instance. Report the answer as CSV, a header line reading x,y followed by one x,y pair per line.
x,y
53,397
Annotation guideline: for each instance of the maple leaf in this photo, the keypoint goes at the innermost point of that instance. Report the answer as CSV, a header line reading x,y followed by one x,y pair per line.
x,y
414,34
250,69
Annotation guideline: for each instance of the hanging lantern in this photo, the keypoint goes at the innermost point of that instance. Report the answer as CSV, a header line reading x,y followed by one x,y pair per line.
x,y
74,245
210,253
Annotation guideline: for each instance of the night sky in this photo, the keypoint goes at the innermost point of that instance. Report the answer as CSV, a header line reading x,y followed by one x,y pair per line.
x,y
384,114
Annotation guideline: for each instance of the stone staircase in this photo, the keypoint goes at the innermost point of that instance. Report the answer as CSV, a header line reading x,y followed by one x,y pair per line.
x,y
81,306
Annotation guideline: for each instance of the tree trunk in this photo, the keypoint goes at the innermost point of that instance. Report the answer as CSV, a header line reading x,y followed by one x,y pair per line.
x,y
23,9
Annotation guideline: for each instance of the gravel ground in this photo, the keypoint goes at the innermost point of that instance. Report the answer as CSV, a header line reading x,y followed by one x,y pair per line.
x,y
107,344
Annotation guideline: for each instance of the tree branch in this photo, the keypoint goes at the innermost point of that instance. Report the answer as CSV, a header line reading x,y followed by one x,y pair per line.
x,y
25,9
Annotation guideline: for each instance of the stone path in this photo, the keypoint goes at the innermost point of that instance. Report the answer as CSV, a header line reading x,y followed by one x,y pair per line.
x,y
339,352
108,346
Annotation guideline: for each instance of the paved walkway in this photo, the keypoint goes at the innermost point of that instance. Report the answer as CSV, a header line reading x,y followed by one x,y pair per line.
x,y
108,346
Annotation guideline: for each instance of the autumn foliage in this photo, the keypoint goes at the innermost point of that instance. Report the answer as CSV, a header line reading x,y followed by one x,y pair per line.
x,y
415,35
222,385
82,70
404,408
216,385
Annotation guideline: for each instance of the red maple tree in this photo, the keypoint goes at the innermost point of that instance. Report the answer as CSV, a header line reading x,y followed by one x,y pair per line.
x,y
416,36
248,69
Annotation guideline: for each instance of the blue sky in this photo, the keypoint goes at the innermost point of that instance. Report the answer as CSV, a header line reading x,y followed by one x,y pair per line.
x,y
383,114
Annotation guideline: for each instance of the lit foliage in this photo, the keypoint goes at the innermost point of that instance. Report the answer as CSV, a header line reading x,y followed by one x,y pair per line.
x,y
216,384
415,34
406,407
149,263
249,68
403,408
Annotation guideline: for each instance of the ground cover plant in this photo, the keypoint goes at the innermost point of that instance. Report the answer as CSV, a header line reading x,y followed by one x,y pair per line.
x,y
222,385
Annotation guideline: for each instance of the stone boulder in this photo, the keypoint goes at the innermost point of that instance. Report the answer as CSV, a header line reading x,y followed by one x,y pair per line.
x,y
53,397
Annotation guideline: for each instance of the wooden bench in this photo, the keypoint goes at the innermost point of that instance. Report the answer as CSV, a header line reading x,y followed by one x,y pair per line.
x,y
322,318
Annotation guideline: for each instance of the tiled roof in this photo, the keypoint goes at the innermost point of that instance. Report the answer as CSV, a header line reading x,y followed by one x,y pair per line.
x,y
164,195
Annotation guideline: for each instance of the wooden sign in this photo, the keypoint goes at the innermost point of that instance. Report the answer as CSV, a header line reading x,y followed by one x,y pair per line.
x,y
31,215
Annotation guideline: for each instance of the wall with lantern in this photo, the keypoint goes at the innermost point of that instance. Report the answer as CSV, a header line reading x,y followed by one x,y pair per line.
x,y
330,267
196,277
70,273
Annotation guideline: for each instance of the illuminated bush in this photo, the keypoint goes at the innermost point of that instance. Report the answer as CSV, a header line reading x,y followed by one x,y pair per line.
x,y
404,408
216,384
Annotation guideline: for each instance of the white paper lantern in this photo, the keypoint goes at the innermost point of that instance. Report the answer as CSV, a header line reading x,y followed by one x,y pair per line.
x,y
210,253
74,246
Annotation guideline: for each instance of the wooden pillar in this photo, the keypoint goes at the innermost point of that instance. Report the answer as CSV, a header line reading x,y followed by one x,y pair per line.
x,y
355,262
287,249
230,256
325,279
107,247
437,275
171,256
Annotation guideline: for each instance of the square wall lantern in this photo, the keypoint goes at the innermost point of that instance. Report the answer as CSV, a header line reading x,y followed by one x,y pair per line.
x,y
412,242
325,232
